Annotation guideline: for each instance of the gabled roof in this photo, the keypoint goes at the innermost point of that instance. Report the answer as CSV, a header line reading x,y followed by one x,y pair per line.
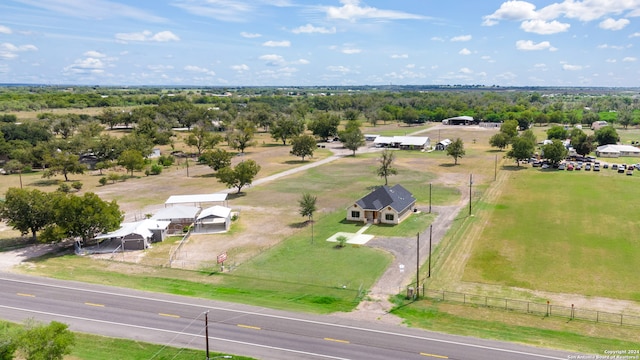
x,y
612,148
196,199
177,212
402,140
445,142
215,211
397,197
141,228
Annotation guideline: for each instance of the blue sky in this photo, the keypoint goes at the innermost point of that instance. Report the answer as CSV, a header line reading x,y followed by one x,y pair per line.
x,y
321,42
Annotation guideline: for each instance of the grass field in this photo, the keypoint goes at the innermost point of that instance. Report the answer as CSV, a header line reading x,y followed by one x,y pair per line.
x,y
566,232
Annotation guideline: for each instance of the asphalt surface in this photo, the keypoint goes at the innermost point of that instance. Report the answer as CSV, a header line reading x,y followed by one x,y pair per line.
x,y
234,328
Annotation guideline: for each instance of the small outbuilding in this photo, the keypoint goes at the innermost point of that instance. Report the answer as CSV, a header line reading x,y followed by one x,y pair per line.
x,y
459,120
213,219
443,145
614,151
179,217
136,235
385,205
402,142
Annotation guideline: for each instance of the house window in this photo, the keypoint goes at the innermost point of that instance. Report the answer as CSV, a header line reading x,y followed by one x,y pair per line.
x,y
388,217
355,214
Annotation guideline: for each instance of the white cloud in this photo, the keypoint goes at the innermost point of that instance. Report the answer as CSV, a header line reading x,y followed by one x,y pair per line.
x,y
350,51
339,68
634,35
310,29
611,61
352,11
511,10
543,27
400,56
528,45
94,54
614,25
466,70
159,68
461,38
94,9
273,59
146,35
630,59
570,67
223,10
271,43
247,35
465,52
10,51
302,62
240,68
5,30
87,65
437,38
607,46
198,69
411,66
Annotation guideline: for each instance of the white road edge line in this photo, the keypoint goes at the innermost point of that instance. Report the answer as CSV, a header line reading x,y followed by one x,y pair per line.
x,y
451,342
173,332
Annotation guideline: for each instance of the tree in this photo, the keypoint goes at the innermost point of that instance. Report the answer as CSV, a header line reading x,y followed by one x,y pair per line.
x,y
239,176
385,170
499,140
456,150
131,160
554,152
324,125
607,135
86,216
557,132
241,136
582,143
286,127
216,158
307,205
62,162
521,149
352,139
45,342
303,146
27,211
202,139
509,128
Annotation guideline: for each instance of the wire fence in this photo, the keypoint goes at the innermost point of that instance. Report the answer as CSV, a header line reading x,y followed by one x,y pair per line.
x,y
527,307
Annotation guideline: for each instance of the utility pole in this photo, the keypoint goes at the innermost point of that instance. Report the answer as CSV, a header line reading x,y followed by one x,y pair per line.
x,y
187,167
206,332
418,265
495,169
429,198
430,237
470,184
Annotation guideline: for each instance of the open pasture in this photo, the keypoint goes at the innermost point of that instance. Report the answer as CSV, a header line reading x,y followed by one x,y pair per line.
x,y
565,232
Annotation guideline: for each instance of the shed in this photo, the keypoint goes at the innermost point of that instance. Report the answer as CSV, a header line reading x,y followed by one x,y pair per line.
x,y
137,235
213,219
179,216
459,120
197,199
443,145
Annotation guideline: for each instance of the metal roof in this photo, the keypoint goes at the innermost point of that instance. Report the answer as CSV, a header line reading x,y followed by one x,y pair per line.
x,y
141,228
216,211
196,198
177,212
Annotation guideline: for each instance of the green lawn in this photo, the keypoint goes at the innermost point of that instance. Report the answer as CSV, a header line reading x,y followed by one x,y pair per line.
x,y
569,232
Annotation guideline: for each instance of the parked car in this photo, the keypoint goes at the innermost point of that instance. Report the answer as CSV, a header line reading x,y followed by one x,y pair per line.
x,y
614,166
605,166
620,170
630,171
587,167
537,164
569,167
562,166
596,167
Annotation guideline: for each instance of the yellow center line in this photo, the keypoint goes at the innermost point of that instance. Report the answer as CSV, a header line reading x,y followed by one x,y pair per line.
x,y
27,295
249,327
337,340
169,315
435,356
92,304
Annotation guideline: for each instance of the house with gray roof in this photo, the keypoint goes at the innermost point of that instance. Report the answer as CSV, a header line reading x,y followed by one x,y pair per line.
x,y
384,205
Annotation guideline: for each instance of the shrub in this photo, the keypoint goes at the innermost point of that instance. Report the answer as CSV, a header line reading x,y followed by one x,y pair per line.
x,y
156,169
103,181
77,185
64,187
166,160
342,240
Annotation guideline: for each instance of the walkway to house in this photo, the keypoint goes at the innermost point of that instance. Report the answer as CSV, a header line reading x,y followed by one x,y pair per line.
x,y
357,238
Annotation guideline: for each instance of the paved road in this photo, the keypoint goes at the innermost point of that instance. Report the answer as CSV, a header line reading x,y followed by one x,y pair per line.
x,y
233,328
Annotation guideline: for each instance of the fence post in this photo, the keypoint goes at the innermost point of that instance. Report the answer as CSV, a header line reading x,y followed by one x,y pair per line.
x,y
548,309
528,307
572,312
597,316
506,307
485,301
464,298
442,295
621,319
